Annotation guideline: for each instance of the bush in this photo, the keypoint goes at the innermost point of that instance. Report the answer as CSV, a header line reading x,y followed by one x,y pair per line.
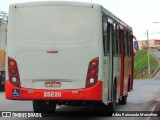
x,y
141,64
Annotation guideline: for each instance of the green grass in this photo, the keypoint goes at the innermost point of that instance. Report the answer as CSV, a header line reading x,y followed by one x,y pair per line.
x,y
141,64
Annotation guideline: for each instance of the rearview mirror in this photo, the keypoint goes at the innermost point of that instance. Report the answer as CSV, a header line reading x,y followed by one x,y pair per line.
x,y
136,45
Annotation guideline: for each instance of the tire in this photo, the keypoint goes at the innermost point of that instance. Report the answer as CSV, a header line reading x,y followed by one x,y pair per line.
x,y
107,110
124,100
112,105
40,106
49,107
129,89
100,108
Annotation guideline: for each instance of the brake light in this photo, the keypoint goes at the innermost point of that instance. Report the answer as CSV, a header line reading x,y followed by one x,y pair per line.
x,y
92,74
13,72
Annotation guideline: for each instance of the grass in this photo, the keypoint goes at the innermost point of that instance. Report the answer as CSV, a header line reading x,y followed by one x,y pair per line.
x,y
141,64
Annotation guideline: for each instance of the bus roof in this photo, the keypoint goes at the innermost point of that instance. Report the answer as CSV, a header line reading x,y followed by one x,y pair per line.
x,y
112,16
54,3
78,4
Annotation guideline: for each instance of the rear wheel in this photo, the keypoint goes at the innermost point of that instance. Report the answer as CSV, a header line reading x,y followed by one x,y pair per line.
x,y
112,105
123,101
38,106
49,107
100,108
129,88
44,106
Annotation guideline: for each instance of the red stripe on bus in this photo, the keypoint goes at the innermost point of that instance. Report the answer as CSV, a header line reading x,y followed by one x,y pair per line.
x,y
92,93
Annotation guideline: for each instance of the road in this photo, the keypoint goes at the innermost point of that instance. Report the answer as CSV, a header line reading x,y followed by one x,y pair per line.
x,y
142,98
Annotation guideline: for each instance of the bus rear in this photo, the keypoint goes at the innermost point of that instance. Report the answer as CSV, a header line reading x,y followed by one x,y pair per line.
x,y
53,53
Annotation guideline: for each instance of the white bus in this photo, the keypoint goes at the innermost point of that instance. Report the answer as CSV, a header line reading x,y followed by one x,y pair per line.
x,y
68,53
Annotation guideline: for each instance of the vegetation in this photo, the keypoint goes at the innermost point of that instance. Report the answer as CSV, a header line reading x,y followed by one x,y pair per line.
x,y
3,17
141,64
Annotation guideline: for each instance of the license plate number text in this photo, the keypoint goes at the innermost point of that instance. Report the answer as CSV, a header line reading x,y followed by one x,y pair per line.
x,y
52,94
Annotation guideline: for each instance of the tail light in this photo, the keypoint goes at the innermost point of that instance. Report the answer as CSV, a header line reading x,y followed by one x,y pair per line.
x,y
13,72
92,74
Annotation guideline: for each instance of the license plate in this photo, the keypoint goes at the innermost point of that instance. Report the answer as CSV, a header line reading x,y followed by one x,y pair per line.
x,y
52,94
53,84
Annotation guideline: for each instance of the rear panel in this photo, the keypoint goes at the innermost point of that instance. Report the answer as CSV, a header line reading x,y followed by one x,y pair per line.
x,y
53,44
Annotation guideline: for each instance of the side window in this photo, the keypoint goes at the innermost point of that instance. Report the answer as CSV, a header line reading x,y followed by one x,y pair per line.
x,y
109,34
118,40
125,42
115,49
105,37
129,53
121,39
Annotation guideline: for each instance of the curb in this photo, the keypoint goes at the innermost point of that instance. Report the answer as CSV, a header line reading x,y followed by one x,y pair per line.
x,y
154,108
158,67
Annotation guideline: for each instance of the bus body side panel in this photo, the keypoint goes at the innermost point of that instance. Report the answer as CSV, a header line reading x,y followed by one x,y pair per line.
x,y
116,72
131,63
105,79
126,75
126,63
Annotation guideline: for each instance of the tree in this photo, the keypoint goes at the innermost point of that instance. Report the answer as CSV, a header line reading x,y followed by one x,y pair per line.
x,y
3,17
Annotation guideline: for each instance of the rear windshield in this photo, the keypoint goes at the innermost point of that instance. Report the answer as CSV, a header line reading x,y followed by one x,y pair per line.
x,y
53,23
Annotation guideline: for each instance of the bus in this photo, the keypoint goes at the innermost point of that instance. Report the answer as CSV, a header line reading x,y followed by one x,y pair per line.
x,y
68,53
3,39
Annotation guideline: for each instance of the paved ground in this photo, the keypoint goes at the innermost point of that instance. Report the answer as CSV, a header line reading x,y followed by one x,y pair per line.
x,y
143,96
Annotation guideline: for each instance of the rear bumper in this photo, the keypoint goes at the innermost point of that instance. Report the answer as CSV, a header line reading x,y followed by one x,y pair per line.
x,y
87,94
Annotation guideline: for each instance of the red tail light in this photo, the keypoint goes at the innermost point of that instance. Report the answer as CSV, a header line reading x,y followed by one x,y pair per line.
x,y
92,74
13,72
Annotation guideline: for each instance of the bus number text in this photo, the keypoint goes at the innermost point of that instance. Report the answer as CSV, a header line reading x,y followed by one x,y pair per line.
x,y
52,94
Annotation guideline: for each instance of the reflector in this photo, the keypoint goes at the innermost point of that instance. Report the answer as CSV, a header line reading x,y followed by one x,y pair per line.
x,y
91,80
14,79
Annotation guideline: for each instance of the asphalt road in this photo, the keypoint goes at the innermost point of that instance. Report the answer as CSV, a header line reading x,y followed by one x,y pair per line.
x,y
142,98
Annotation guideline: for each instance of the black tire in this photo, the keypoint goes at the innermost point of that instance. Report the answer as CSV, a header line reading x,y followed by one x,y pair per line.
x,y
129,88
38,106
49,107
112,105
108,110
100,108
123,101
